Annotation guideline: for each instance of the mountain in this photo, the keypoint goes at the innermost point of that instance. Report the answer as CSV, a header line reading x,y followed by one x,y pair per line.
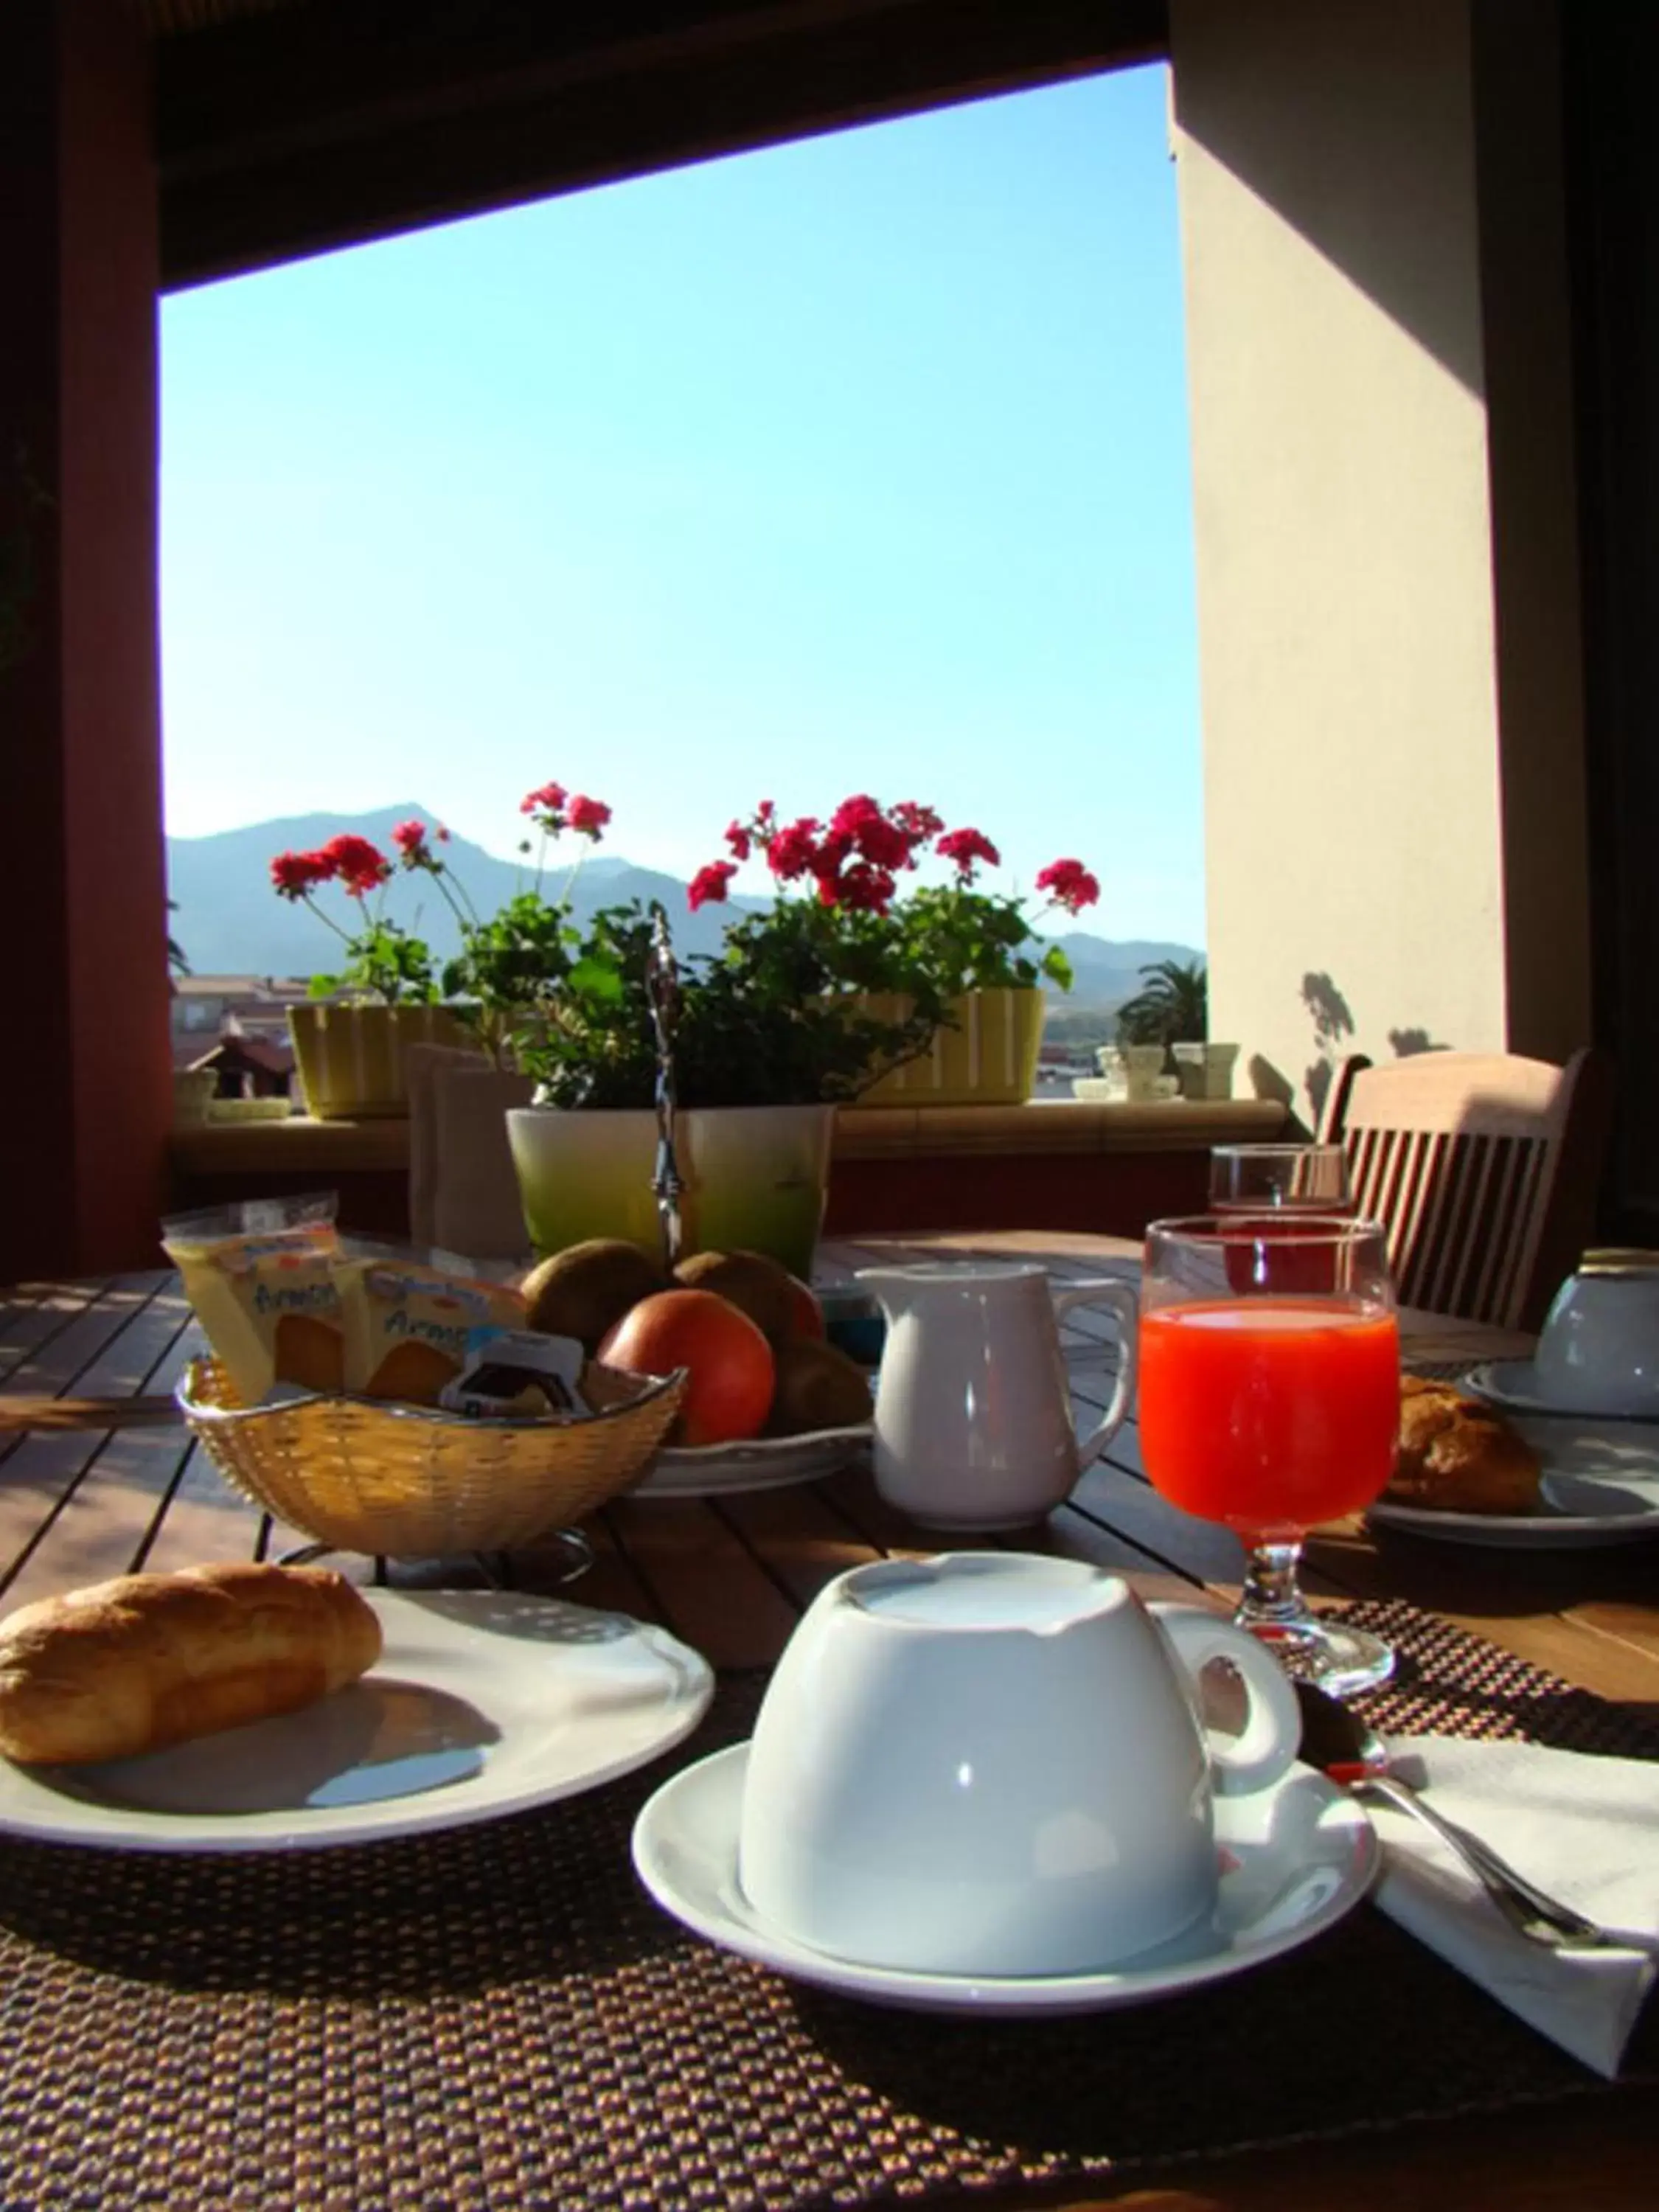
x,y
1105,972
230,922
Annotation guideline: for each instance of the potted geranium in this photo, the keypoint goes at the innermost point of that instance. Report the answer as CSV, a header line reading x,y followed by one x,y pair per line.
x,y
349,1044
966,958
388,992
767,1041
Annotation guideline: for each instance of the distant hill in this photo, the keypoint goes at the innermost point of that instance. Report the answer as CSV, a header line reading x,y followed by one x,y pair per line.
x,y
1105,972
230,922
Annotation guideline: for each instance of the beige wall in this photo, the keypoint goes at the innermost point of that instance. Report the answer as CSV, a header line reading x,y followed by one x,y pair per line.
x,y
1360,864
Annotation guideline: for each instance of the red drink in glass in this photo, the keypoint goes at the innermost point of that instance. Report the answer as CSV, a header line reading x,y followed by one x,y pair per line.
x,y
1270,1414
1270,1401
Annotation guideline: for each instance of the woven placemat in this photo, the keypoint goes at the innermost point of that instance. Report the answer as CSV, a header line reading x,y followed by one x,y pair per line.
x,y
498,2017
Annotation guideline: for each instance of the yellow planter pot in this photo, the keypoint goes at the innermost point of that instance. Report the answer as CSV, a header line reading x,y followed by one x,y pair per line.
x,y
351,1058
989,1058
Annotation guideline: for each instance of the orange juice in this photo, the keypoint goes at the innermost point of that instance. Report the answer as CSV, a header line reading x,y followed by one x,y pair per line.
x,y
1269,1413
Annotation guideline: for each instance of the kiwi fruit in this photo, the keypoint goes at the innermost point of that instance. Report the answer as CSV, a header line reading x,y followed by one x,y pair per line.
x,y
584,1290
817,1387
748,1281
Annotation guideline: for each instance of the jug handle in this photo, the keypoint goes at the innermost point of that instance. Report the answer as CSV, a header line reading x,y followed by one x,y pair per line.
x,y
1120,1297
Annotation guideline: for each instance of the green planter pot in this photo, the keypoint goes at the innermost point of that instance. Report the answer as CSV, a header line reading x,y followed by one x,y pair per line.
x,y
988,1058
757,1177
351,1058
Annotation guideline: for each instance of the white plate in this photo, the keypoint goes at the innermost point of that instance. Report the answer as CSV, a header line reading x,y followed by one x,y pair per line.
x,y
769,1463
1599,1483
1513,1385
1294,1859
482,1702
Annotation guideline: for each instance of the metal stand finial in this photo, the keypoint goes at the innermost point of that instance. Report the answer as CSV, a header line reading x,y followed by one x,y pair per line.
x,y
662,985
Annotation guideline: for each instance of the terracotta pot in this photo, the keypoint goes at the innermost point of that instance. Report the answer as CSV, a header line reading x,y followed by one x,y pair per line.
x,y
351,1058
988,1057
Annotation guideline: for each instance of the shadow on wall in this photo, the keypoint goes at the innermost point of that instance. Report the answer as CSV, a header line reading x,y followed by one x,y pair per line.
x,y
1407,1043
1333,1028
1333,1024
1381,92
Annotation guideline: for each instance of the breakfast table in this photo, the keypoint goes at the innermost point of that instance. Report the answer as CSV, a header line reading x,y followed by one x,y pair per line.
x,y
499,2016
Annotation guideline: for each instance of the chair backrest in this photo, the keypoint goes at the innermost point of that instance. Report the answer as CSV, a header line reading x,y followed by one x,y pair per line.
x,y
1484,1168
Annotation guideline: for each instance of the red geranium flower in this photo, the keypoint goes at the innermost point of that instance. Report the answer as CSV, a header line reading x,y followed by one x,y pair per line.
x,y
293,874
738,840
710,883
918,823
864,888
851,816
547,800
964,849
589,815
359,865
1070,885
793,851
886,844
410,838
859,824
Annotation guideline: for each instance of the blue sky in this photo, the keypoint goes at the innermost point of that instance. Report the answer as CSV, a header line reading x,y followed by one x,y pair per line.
x,y
858,465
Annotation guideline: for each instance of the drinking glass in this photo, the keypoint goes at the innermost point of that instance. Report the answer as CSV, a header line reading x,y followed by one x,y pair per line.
x,y
1278,1178
1270,1401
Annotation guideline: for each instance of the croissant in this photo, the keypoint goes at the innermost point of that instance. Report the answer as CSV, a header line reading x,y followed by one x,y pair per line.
x,y
1459,1453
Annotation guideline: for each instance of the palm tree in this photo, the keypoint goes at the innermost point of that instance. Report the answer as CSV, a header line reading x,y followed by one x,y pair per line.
x,y
1172,1006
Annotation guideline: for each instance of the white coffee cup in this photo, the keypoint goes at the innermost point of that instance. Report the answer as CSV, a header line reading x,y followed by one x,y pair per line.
x,y
993,1763
1599,1350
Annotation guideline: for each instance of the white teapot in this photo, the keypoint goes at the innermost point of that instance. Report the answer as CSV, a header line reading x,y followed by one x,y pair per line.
x,y
973,1419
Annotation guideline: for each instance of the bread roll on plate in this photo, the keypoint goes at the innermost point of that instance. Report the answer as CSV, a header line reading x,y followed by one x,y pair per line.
x,y
133,1665
1458,1455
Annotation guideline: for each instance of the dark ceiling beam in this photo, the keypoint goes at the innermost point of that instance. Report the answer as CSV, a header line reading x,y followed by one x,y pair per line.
x,y
289,134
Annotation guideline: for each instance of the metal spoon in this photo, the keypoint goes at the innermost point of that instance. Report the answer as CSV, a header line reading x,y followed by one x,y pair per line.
x,y
1348,1750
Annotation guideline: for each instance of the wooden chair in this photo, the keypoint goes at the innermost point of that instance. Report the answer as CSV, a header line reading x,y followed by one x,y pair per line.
x,y
1484,1168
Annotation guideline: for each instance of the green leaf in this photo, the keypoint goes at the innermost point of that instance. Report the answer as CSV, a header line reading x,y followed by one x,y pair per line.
x,y
598,979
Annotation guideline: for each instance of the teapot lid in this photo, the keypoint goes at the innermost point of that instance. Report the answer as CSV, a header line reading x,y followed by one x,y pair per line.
x,y
1619,1260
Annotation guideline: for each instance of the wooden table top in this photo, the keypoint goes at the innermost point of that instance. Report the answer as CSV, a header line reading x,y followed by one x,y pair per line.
x,y
98,1477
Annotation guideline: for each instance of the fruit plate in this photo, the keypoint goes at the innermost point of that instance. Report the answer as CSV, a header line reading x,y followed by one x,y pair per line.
x,y
767,1463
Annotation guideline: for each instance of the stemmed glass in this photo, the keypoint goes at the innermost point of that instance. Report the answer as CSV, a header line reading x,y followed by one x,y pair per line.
x,y
1270,1401
1279,1179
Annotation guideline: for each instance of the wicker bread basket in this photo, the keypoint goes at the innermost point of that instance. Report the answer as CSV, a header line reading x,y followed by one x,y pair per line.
x,y
407,1482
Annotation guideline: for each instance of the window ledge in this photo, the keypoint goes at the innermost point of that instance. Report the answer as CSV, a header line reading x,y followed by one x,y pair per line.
x,y
1041,1125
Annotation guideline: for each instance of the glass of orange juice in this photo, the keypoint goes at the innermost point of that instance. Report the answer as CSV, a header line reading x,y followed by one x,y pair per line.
x,y
1270,1401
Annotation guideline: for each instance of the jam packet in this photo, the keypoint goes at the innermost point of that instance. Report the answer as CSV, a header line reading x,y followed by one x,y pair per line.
x,y
520,1375
261,1279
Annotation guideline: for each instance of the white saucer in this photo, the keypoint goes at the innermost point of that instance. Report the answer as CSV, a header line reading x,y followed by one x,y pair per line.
x,y
767,1463
482,1702
1294,1859
1599,1485
1513,1385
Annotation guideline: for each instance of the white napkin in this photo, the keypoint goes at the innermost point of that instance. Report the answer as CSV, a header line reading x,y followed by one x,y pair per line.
x,y
1585,1829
